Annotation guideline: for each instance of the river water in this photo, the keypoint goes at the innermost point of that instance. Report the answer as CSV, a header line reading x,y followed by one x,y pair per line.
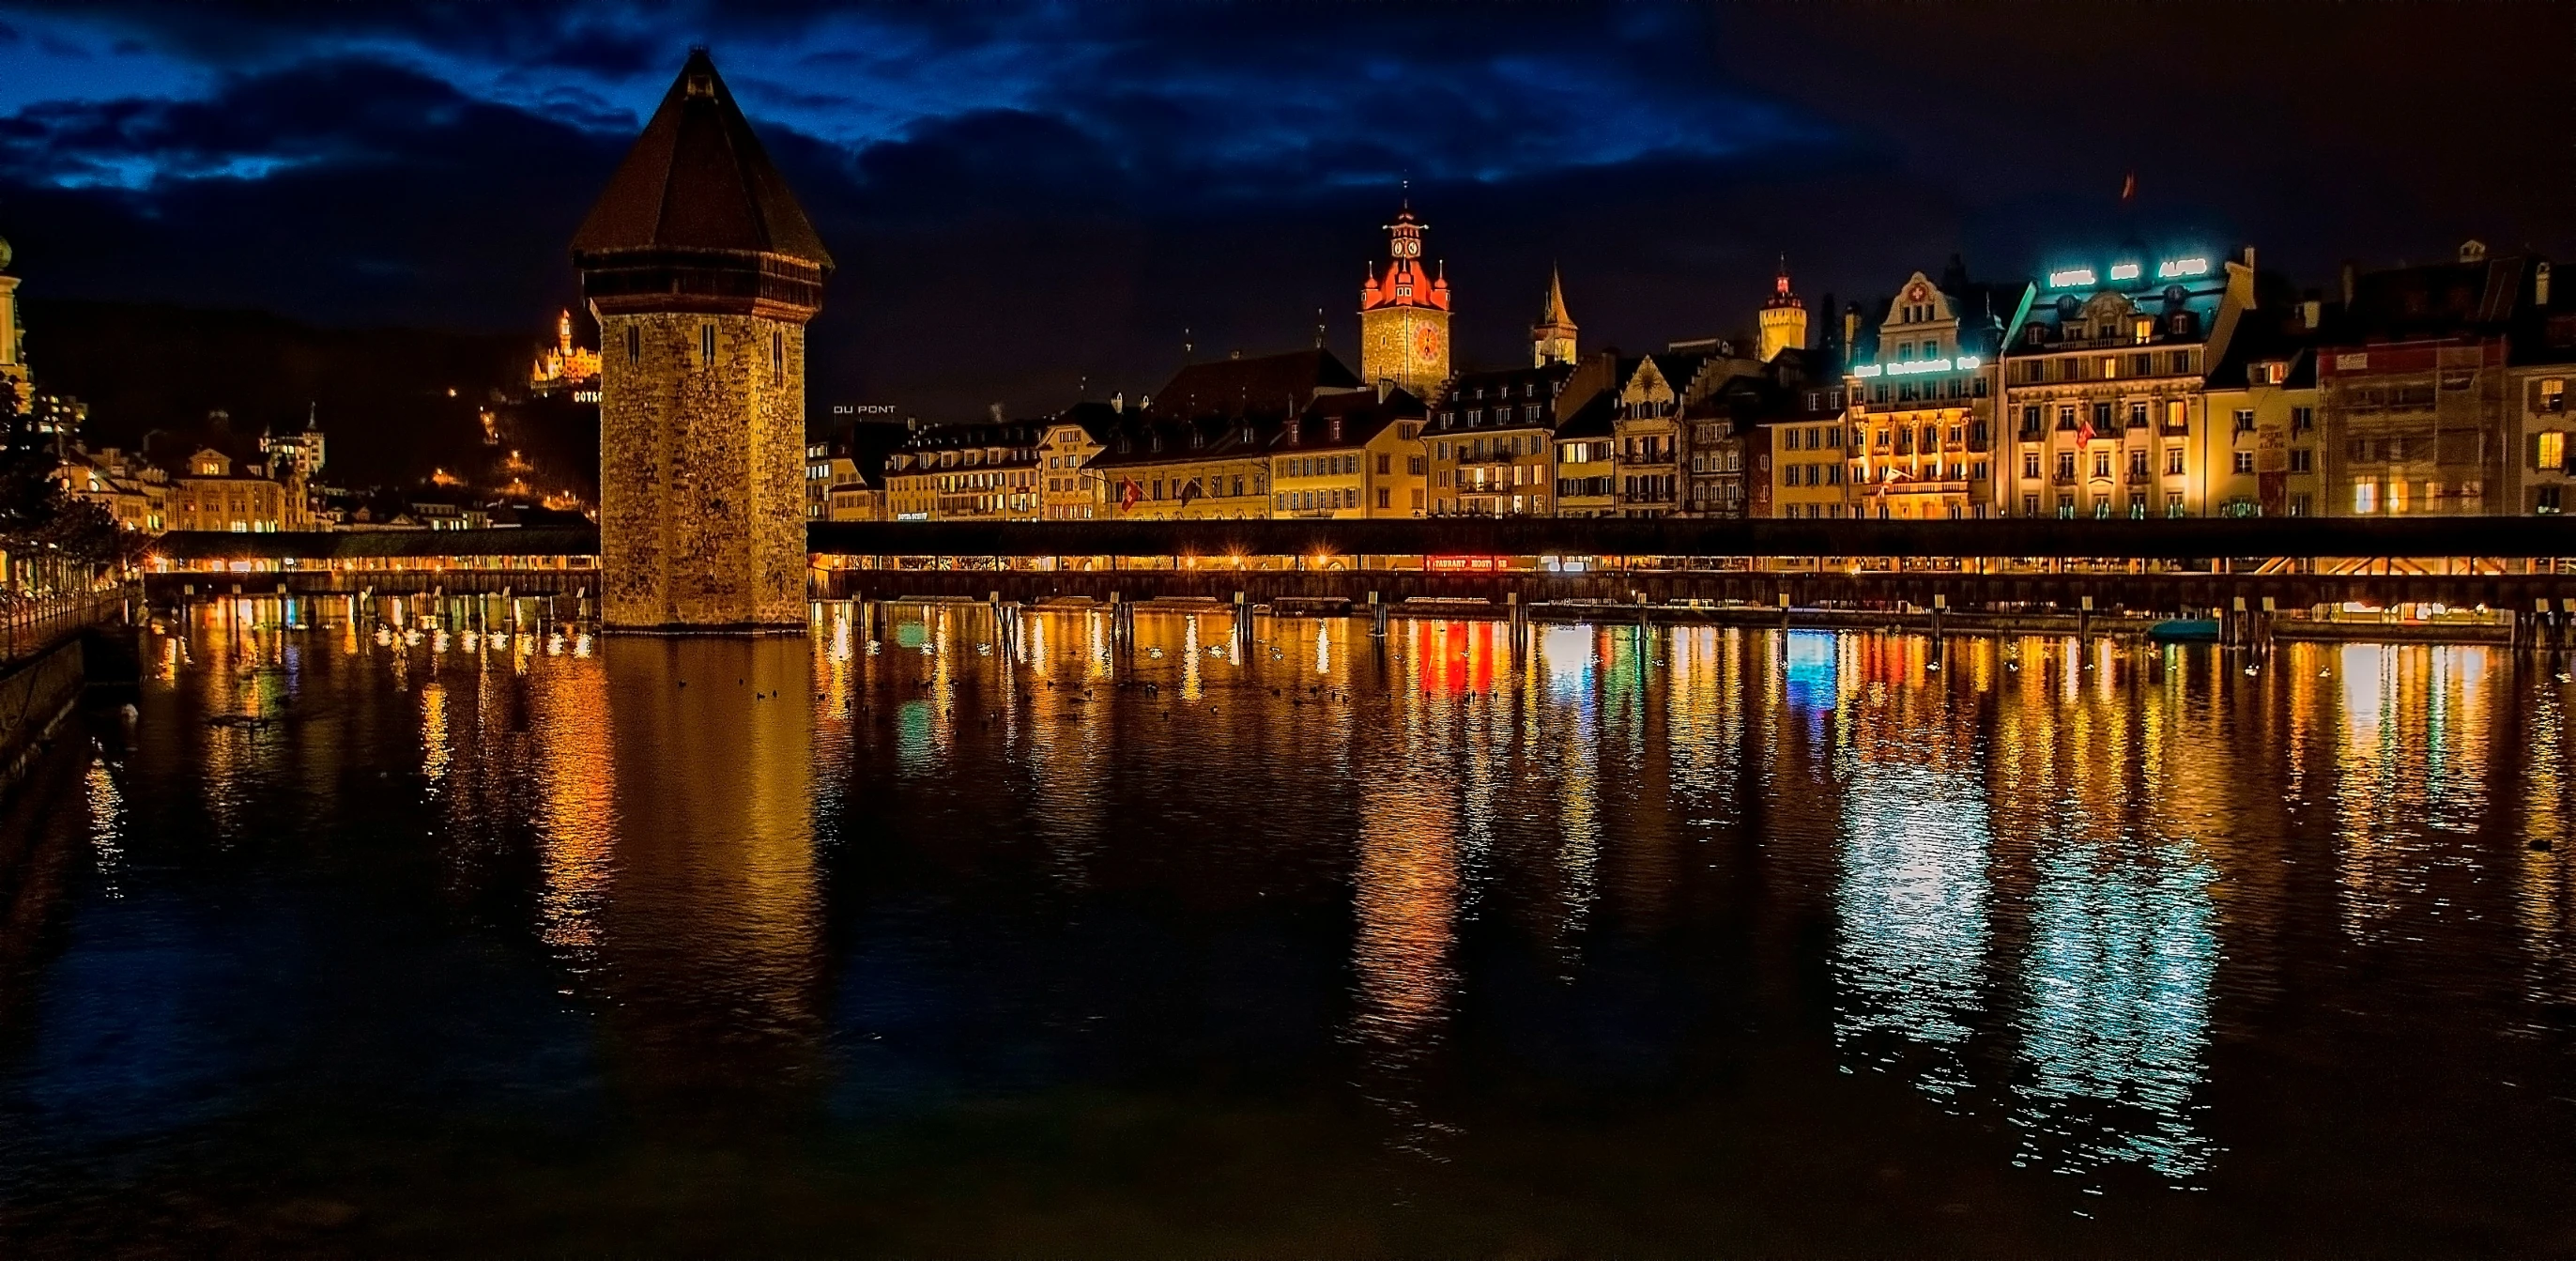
x,y
1041,940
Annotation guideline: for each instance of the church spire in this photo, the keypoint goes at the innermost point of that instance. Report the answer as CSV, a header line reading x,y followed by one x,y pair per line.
x,y
1552,337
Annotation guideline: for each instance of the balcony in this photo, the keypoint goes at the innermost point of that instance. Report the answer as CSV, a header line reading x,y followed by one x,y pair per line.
x,y
1659,459
2062,477
2137,477
2174,429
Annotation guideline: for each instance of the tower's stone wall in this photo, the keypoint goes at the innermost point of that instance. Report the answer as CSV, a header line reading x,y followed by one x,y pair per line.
x,y
1391,342
701,471
1783,328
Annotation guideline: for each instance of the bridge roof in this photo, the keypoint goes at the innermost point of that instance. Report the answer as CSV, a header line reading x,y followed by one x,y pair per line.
x,y
2153,539
329,545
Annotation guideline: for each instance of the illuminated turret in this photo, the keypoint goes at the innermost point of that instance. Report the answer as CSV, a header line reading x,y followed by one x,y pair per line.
x,y
1783,318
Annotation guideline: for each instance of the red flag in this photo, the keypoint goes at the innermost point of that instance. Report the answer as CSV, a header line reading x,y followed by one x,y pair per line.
x,y
1128,493
2083,432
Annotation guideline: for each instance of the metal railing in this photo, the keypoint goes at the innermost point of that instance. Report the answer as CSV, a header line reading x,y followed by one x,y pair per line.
x,y
32,625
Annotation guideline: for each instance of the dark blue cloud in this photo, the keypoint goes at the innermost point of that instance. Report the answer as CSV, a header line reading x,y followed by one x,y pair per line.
x,y
1029,195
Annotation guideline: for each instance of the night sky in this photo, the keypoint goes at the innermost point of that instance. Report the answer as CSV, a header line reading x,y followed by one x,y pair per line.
x,y
1023,198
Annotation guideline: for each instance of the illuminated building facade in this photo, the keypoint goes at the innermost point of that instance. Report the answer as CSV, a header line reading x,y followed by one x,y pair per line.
x,y
566,367
2263,396
1587,458
303,451
1167,469
2417,415
210,495
2544,480
1404,314
1646,431
1354,455
1736,396
1492,441
1071,494
987,472
1921,388
2104,412
1807,455
133,491
703,272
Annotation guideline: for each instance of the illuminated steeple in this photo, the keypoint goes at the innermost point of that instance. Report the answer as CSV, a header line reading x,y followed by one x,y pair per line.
x,y
1552,337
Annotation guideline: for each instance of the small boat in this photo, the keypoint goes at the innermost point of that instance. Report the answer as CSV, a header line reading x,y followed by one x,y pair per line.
x,y
2185,630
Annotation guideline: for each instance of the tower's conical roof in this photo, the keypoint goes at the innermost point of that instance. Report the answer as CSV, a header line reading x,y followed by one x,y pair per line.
x,y
697,179
1555,313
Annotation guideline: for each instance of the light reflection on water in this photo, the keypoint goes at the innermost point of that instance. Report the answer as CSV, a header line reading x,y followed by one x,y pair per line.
x,y
2039,882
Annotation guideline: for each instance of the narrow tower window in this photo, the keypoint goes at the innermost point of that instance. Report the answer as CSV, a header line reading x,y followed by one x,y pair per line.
x,y
777,356
634,344
707,344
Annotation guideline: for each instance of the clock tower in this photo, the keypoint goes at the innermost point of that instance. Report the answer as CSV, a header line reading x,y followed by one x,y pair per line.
x,y
1404,314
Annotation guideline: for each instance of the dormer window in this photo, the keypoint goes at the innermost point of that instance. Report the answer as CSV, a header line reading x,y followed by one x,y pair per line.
x,y
1334,433
2144,330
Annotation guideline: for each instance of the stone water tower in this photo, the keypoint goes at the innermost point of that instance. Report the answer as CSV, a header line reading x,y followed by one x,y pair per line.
x,y
702,271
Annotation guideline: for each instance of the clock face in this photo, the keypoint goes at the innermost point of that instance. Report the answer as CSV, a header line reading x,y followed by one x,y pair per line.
x,y
1426,343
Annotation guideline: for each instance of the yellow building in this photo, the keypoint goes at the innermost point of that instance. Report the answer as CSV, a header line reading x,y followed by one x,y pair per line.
x,y
1586,453
1071,492
1166,470
1807,459
135,493
1492,442
2262,400
1354,455
1921,393
988,472
566,367
209,495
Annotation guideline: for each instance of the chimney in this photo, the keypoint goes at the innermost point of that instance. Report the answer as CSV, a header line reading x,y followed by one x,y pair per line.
x,y
1384,387
995,411
1118,403
2311,314
2249,258
2348,278
2540,285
